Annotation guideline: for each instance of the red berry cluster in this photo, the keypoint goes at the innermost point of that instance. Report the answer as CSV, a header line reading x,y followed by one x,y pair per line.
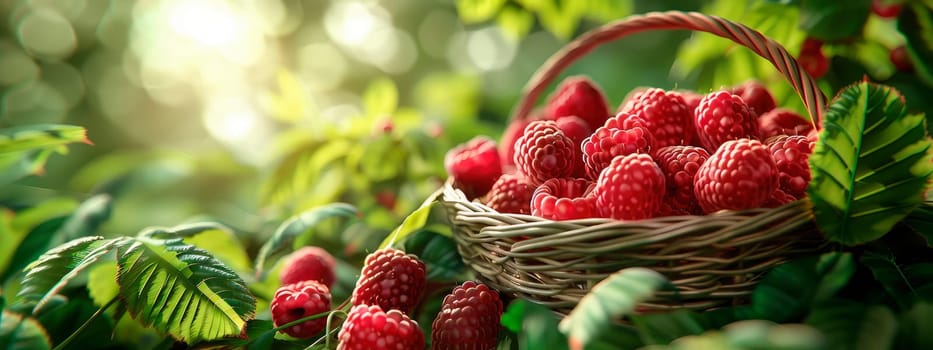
x,y
664,153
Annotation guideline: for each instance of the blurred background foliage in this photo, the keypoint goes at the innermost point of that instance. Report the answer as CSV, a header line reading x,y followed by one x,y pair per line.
x,y
247,112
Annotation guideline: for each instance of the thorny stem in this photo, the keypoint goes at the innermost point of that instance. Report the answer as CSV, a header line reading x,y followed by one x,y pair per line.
x,y
87,323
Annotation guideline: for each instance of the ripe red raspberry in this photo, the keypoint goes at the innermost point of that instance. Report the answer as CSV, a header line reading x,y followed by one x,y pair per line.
x,y
883,9
791,155
901,59
780,121
665,114
309,264
722,116
812,59
578,96
564,199
509,136
756,96
577,130
624,120
740,175
544,152
679,165
511,194
691,99
778,198
631,188
299,300
468,320
390,279
368,327
474,166
607,143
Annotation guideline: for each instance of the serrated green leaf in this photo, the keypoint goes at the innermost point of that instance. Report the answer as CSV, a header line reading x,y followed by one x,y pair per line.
x,y
902,281
830,20
916,24
536,326
854,325
871,165
789,289
298,225
182,290
613,297
102,283
22,333
914,331
214,237
53,270
380,97
474,11
27,137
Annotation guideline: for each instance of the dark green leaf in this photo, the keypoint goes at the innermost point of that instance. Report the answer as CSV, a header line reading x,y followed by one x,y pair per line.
x,y
789,289
914,331
916,23
535,325
830,20
613,297
21,333
665,327
921,221
182,290
854,325
54,269
298,225
904,282
871,164
439,254
39,136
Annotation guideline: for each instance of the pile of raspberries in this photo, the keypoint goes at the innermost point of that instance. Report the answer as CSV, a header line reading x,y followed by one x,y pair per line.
x,y
662,153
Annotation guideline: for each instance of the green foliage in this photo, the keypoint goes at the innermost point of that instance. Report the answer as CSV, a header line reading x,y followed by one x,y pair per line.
x,y
871,165
25,149
854,325
833,20
789,290
298,225
904,282
438,252
535,326
749,335
615,296
21,333
560,17
415,221
916,22
913,330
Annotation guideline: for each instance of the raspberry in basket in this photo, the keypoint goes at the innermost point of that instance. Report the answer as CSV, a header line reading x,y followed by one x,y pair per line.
x,y
607,143
630,188
564,199
474,166
756,96
544,152
511,194
780,121
309,263
368,327
390,279
679,165
791,155
579,96
741,174
507,142
469,319
666,115
299,300
722,116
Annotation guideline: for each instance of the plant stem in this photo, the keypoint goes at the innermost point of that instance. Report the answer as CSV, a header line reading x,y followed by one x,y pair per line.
x,y
87,323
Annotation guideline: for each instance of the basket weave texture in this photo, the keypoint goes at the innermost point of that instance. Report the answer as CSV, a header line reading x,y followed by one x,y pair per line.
x,y
713,260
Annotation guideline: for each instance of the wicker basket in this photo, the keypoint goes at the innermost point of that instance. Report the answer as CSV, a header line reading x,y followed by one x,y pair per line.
x,y
713,260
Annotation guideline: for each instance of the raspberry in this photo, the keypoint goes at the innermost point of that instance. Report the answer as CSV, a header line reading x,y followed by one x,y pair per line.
x,y
468,320
901,59
791,155
299,300
780,121
510,194
722,116
740,175
679,165
756,96
564,199
390,279
509,136
309,264
544,152
368,327
631,188
812,59
778,198
606,143
885,10
665,114
474,166
578,96
577,130
691,99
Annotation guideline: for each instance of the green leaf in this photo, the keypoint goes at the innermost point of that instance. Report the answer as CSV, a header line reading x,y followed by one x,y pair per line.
x,y
20,333
665,327
831,20
214,237
86,219
615,296
17,165
182,290
916,24
902,281
854,325
102,282
921,221
871,165
751,335
412,223
789,289
25,233
914,331
380,98
474,11
439,254
40,136
53,270
298,225
535,325
515,23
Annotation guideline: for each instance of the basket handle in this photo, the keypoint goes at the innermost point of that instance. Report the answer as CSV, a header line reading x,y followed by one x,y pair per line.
x,y
805,86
